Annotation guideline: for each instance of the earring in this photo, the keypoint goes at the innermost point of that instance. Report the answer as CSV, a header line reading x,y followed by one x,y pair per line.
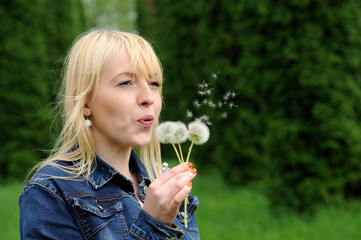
x,y
88,123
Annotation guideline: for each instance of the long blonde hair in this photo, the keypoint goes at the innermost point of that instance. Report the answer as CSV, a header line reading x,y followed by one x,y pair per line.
x,y
82,69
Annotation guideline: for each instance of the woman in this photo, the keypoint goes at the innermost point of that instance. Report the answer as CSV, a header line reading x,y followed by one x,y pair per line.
x,y
93,186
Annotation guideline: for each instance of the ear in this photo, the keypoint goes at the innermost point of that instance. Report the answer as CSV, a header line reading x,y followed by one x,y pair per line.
x,y
86,110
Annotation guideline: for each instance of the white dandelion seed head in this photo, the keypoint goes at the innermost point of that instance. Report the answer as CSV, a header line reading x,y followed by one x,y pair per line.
x,y
165,132
198,132
180,132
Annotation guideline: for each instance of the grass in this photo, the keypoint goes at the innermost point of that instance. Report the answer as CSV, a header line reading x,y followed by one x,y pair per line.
x,y
9,210
226,213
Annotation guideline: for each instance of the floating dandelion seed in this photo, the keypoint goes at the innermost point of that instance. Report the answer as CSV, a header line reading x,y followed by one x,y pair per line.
x,y
189,114
224,115
214,75
196,104
202,93
205,119
203,85
211,105
198,132
226,96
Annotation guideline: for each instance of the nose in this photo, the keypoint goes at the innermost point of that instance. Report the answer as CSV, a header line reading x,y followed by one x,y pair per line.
x,y
145,95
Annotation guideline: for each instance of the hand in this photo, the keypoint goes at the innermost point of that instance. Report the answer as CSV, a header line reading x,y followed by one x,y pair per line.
x,y
167,192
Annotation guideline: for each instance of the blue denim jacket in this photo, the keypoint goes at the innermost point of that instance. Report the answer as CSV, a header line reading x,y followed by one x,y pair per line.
x,y
102,207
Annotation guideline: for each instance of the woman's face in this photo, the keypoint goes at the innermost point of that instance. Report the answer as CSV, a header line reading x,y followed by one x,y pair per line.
x,y
126,106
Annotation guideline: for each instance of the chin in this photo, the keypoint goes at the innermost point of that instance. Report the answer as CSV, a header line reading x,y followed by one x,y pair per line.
x,y
142,142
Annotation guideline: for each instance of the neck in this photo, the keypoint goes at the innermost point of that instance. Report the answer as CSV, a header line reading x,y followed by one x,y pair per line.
x,y
117,158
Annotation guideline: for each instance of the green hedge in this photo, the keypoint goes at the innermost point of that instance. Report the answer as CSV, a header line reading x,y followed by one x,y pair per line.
x,y
34,38
296,66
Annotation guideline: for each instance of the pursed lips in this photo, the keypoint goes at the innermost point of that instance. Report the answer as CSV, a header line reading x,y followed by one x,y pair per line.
x,y
146,121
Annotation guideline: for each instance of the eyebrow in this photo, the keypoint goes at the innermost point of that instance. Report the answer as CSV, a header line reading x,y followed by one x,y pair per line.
x,y
129,74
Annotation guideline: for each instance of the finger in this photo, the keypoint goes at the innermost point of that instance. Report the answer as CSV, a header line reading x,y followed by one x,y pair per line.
x,y
179,198
173,172
177,183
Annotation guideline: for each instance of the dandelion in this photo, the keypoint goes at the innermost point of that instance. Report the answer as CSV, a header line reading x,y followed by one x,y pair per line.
x,y
198,132
180,133
177,133
165,132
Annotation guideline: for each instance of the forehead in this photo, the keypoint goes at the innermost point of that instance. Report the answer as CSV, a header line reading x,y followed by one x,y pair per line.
x,y
140,62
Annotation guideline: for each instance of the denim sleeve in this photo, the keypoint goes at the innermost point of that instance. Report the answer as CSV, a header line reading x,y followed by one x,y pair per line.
x,y
44,216
147,227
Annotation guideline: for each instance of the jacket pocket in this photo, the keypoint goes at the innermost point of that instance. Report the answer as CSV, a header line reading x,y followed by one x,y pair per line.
x,y
100,218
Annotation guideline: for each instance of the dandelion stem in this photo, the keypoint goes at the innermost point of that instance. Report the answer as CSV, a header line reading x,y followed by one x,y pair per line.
x,y
187,200
176,152
190,149
181,153
185,212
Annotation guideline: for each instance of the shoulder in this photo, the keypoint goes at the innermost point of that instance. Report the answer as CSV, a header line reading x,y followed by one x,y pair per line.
x,y
53,179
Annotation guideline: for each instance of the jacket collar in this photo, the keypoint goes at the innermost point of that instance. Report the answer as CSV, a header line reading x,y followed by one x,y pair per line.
x,y
103,172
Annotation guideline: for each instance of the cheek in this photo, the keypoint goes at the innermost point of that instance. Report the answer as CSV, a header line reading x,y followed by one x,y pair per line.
x,y
158,106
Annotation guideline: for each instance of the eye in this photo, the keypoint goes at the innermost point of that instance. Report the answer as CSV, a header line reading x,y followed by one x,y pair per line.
x,y
125,83
155,84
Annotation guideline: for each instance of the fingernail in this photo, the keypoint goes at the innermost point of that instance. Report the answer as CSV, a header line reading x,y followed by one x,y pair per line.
x,y
194,171
190,165
189,184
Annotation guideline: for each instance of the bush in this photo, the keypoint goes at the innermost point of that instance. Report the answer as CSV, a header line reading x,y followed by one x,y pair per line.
x,y
295,66
34,37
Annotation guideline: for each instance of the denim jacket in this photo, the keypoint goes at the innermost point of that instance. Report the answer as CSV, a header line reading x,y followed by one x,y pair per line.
x,y
103,207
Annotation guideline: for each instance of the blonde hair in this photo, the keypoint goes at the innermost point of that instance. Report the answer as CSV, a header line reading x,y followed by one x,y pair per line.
x,y
82,69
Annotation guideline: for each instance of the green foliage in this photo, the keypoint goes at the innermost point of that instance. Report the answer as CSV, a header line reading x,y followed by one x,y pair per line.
x,y
34,37
112,14
295,65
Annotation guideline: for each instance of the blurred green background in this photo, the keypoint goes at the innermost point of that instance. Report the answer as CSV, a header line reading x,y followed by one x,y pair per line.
x,y
284,164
